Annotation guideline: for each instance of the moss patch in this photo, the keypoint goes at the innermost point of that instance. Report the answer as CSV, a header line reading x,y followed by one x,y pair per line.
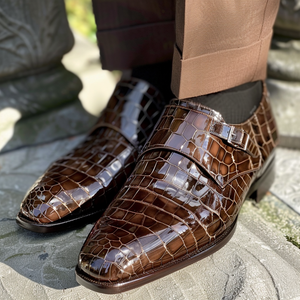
x,y
291,240
278,215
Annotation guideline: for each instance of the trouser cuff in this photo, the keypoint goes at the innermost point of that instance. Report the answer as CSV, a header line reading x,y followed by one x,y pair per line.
x,y
219,71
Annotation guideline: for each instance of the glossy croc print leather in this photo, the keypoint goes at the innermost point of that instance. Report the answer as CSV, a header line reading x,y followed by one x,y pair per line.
x,y
81,184
181,202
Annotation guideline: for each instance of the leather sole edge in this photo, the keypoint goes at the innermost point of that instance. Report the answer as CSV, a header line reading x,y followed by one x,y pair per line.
x,y
115,288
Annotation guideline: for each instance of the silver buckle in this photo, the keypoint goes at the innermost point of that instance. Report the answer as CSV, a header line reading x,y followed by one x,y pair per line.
x,y
232,134
246,144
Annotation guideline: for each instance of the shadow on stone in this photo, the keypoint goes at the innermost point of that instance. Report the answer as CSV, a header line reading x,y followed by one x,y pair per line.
x,y
41,108
47,259
64,121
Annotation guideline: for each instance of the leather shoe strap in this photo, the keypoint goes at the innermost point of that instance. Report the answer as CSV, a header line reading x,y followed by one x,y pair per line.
x,y
223,151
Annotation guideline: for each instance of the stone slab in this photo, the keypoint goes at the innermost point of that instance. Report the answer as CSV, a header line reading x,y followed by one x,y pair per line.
x,y
287,182
258,263
285,101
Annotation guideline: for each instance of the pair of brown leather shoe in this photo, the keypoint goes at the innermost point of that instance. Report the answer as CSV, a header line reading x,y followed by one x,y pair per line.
x,y
166,206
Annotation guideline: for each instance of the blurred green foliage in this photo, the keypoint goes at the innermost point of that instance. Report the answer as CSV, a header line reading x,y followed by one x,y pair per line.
x,y
81,17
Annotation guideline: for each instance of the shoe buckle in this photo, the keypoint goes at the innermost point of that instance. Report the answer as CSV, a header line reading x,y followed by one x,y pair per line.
x,y
233,135
236,137
246,143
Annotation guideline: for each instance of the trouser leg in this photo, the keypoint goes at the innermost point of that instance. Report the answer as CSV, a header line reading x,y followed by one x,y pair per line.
x,y
220,44
133,33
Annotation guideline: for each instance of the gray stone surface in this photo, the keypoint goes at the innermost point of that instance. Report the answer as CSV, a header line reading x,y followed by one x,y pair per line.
x,y
65,120
34,34
258,263
284,72
285,100
284,88
284,59
35,89
58,113
39,93
287,22
287,183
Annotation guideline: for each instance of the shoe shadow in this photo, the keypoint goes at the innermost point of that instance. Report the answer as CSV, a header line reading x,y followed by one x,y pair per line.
x,y
48,259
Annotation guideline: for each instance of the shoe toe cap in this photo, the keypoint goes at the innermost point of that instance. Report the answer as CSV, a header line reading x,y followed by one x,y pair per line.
x,y
108,256
103,269
45,204
42,206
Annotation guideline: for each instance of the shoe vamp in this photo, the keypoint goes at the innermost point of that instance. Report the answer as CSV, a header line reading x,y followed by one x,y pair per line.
x,y
168,208
91,170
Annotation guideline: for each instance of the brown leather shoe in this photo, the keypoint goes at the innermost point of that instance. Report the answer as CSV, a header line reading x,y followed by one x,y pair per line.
x,y
77,188
182,201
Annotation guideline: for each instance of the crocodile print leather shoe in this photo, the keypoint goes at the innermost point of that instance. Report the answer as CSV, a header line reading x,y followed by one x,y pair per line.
x,y
77,188
183,198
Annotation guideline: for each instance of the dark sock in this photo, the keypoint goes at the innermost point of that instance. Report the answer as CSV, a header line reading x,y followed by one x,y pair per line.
x,y
158,75
235,105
